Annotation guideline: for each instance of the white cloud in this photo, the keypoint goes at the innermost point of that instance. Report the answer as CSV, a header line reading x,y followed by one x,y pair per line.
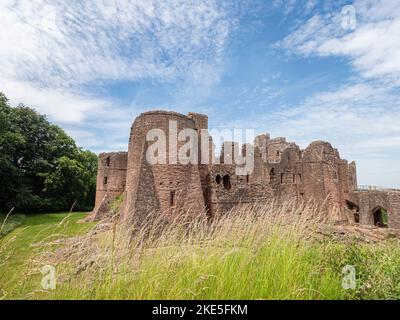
x,y
373,48
69,43
98,124
361,120
52,50
61,105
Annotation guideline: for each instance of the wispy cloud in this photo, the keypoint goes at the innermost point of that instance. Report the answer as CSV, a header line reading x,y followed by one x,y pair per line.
x,y
360,119
53,50
372,49
360,115
61,105
68,43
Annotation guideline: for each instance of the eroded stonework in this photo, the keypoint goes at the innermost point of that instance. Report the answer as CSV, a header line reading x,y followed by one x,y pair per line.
x,y
281,171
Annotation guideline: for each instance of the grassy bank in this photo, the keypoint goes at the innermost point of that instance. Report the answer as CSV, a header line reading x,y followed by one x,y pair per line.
x,y
261,252
9,223
18,275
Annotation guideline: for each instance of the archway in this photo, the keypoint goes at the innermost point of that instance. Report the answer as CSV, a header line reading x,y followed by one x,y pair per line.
x,y
218,179
355,209
380,217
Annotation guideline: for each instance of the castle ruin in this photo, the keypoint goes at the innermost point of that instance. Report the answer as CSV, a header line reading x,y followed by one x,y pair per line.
x,y
281,171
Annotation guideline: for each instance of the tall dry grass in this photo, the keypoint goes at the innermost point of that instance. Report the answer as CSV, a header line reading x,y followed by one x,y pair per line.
x,y
260,251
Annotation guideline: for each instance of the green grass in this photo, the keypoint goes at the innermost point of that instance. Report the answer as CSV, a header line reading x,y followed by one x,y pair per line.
x,y
258,253
20,246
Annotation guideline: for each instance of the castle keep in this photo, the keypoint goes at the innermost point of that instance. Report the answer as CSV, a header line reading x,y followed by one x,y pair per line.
x,y
281,171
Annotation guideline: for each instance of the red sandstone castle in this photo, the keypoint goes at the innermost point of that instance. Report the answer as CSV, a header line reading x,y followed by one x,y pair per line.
x,y
281,170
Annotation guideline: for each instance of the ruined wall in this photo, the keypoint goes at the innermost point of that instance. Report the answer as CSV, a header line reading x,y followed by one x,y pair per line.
x,y
325,175
281,171
111,180
316,170
201,124
229,150
288,173
368,202
269,180
352,176
261,142
275,148
394,211
111,175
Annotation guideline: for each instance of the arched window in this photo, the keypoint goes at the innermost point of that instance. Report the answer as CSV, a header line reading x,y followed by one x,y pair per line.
x,y
108,161
218,179
105,180
227,182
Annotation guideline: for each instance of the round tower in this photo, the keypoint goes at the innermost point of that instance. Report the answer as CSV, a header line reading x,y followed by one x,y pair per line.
x,y
167,186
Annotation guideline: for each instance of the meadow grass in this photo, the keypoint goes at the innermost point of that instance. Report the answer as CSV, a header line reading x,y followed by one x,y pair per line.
x,y
256,252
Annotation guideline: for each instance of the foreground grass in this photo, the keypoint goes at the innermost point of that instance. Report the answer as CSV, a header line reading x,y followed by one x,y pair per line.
x,y
17,279
258,253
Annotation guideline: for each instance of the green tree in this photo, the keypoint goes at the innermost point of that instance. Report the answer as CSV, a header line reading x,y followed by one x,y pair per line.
x,y
41,168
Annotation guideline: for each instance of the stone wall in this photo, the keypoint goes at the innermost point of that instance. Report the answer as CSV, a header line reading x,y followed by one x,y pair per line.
x,y
368,202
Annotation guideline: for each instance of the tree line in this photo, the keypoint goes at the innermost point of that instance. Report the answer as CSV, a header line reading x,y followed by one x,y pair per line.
x,y
41,167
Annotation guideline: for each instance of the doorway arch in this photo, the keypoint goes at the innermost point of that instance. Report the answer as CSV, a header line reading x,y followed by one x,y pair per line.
x,y
380,217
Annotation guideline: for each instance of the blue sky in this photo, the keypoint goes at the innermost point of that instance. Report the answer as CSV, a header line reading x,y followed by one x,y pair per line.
x,y
289,68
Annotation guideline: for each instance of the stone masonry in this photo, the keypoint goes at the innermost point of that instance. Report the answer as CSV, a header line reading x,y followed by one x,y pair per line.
x,y
281,171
